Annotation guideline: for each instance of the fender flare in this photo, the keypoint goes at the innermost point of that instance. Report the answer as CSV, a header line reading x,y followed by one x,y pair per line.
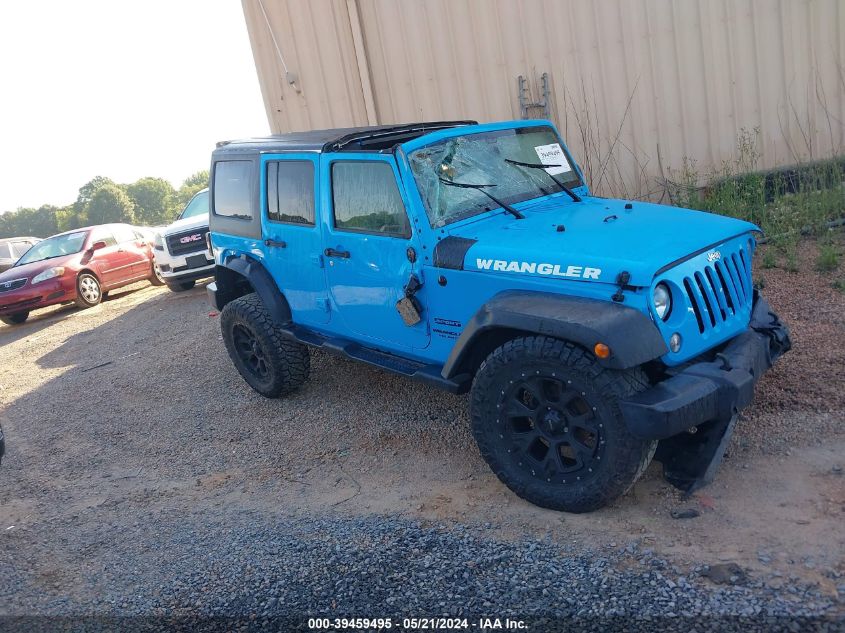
x,y
632,337
261,281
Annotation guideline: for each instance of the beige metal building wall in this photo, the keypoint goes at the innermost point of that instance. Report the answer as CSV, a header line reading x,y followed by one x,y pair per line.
x,y
635,85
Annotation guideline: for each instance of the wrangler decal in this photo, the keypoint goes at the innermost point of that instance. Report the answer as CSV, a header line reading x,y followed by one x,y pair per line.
x,y
551,270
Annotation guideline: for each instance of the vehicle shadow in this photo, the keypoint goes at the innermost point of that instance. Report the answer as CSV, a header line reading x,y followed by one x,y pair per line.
x,y
44,318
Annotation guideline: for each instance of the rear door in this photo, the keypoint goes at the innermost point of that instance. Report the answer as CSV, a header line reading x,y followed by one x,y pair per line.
x,y
369,248
136,253
292,242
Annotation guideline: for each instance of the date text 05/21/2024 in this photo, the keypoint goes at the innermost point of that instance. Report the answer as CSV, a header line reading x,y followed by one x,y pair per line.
x,y
417,624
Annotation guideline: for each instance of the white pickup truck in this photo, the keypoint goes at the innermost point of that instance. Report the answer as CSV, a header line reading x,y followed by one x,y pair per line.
x,y
180,248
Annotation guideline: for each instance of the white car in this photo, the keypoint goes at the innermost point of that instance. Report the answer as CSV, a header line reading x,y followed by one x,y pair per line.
x,y
181,252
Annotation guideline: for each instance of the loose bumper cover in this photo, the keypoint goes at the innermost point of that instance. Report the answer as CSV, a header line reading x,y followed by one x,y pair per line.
x,y
694,411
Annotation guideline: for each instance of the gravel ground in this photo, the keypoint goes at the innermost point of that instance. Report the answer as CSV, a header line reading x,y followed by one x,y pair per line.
x,y
251,566
144,478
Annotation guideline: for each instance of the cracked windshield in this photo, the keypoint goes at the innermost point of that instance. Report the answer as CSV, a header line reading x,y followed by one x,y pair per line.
x,y
466,175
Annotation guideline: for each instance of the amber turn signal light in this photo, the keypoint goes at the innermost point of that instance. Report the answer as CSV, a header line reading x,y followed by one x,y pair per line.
x,y
601,350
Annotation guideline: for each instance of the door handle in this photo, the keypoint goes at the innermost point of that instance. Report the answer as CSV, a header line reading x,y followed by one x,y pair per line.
x,y
330,252
276,243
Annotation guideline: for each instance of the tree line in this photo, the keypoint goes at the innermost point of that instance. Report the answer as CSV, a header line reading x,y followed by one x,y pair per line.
x,y
145,202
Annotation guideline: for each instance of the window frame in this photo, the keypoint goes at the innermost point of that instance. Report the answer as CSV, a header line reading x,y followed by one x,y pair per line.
x,y
266,187
396,179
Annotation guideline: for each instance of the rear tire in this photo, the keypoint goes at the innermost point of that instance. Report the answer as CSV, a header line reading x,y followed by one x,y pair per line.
x,y
88,291
546,418
270,363
181,286
15,319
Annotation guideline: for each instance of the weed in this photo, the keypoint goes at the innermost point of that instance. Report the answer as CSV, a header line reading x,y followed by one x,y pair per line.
x,y
839,284
770,260
828,258
785,205
791,254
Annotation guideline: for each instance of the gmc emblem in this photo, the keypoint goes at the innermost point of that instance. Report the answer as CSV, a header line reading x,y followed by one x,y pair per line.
x,y
196,237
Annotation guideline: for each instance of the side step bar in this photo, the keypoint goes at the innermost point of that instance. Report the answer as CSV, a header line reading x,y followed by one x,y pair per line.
x,y
422,372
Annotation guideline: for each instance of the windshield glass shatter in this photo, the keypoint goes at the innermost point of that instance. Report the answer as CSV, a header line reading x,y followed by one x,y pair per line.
x,y
480,159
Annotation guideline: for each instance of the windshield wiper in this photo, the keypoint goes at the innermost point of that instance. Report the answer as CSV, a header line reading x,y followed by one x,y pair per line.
x,y
43,259
575,197
483,189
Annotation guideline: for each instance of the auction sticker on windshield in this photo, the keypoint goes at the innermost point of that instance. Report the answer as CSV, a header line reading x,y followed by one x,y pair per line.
x,y
552,154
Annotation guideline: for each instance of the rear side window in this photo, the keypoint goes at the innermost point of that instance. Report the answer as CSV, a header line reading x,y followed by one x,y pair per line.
x,y
366,199
232,189
290,191
124,234
103,235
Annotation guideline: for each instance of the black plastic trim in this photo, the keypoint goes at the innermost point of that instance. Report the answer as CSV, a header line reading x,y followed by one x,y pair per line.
x,y
421,372
193,275
630,334
451,251
260,280
681,260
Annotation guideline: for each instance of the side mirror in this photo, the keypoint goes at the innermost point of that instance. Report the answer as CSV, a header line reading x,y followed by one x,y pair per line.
x,y
98,245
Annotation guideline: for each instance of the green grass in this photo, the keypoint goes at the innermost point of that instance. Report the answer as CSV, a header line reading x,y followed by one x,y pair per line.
x,y
786,206
828,258
770,259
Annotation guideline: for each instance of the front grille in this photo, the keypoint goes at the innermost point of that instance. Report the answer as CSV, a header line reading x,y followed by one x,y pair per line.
x,y
8,286
195,241
720,290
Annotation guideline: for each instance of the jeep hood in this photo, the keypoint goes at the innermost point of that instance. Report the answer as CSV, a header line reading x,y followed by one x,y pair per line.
x,y
599,239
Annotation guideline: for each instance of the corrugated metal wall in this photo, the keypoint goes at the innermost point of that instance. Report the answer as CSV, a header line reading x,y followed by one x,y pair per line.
x,y
636,86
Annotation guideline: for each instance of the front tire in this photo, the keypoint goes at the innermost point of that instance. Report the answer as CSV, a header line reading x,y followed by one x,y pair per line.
x,y
546,418
271,364
155,278
15,319
88,291
181,286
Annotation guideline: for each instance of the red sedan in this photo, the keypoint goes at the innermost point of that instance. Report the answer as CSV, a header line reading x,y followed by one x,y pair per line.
x,y
79,266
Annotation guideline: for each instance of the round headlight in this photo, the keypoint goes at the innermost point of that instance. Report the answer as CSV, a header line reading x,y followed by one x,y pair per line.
x,y
662,301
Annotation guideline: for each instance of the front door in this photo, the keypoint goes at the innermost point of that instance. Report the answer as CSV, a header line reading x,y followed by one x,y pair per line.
x,y
292,244
367,241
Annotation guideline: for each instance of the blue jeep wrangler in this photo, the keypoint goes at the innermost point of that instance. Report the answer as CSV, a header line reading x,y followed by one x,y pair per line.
x,y
592,334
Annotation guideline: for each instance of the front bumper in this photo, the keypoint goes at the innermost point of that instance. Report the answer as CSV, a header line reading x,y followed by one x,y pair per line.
x,y
41,295
184,267
710,390
694,411
191,275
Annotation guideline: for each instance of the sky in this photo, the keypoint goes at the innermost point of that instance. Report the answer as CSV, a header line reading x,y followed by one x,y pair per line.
x,y
119,89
